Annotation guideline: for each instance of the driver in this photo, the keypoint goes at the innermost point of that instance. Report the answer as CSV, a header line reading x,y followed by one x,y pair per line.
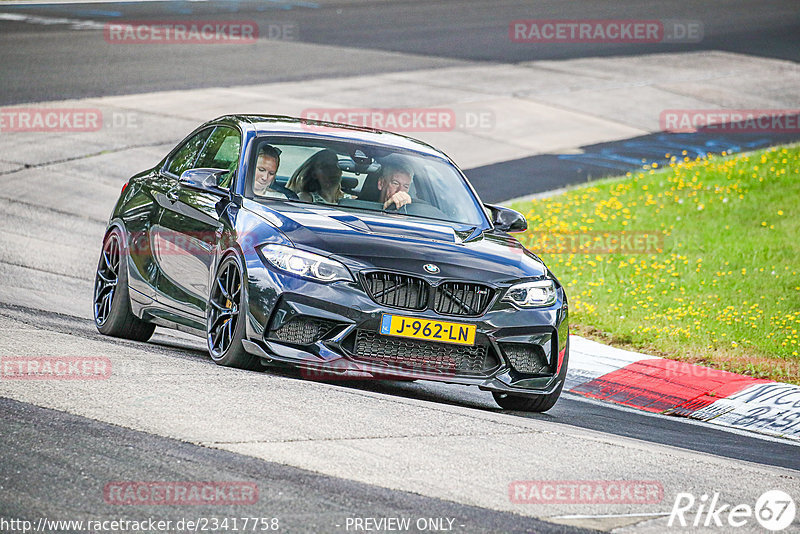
x,y
394,183
267,162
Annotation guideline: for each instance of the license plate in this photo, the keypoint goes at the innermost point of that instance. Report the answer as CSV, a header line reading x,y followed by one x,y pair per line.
x,y
417,328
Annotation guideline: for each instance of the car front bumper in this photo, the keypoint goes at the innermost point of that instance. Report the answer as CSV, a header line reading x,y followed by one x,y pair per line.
x,y
332,332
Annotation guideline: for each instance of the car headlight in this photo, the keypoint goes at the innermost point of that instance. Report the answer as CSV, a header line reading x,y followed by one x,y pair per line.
x,y
536,294
305,264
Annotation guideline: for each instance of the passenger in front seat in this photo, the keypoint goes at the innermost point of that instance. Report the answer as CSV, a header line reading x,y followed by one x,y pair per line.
x,y
267,162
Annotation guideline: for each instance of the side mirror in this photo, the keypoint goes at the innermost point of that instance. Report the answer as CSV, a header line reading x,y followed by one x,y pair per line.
x,y
507,220
204,179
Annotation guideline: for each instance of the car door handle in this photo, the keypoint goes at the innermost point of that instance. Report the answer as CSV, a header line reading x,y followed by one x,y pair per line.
x,y
172,195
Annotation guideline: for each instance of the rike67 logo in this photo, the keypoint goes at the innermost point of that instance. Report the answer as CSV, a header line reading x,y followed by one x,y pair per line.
x,y
774,510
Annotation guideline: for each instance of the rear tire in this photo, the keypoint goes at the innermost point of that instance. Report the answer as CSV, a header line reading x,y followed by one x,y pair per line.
x,y
225,318
112,306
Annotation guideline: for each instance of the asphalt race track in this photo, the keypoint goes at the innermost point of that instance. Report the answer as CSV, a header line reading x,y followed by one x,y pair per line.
x,y
325,454
296,496
55,61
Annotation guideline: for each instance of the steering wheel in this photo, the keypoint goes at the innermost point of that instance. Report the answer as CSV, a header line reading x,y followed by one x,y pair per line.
x,y
394,209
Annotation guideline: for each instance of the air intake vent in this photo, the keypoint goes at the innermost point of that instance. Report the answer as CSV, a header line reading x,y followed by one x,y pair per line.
x,y
397,290
302,330
462,298
423,355
526,358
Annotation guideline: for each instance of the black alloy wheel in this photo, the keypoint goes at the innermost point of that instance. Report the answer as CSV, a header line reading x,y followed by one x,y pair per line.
x,y
112,306
225,324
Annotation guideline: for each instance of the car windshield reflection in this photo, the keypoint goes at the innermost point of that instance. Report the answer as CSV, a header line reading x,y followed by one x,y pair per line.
x,y
356,176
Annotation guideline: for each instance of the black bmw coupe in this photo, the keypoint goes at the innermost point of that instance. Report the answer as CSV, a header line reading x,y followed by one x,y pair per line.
x,y
343,251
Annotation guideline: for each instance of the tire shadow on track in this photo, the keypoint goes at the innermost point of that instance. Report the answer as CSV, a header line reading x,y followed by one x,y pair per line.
x,y
570,410
575,411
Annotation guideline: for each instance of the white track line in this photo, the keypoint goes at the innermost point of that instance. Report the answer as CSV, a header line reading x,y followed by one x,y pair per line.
x,y
74,24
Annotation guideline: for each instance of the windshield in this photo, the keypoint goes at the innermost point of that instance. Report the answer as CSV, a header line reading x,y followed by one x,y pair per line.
x,y
361,177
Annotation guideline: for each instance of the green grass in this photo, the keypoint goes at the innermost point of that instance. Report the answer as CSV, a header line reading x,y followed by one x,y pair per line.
x,y
714,278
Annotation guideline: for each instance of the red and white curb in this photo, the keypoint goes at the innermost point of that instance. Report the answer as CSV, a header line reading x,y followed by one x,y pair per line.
x,y
676,388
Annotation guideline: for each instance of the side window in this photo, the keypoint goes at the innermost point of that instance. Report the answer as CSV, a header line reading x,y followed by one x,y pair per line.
x,y
221,152
185,157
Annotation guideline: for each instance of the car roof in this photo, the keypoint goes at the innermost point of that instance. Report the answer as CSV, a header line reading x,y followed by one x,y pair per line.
x,y
285,125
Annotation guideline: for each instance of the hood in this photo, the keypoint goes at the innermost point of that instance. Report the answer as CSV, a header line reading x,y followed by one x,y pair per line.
x,y
372,240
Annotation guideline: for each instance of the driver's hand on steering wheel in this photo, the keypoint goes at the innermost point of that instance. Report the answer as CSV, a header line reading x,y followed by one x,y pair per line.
x,y
399,199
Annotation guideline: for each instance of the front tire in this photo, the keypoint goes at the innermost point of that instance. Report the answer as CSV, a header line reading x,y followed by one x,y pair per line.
x,y
112,306
225,318
534,403
530,403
